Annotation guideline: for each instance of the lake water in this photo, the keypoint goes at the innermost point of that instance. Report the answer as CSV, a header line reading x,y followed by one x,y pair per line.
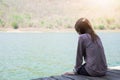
x,y
25,56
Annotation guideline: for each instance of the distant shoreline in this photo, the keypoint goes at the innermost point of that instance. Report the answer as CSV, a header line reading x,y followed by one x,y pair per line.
x,y
40,30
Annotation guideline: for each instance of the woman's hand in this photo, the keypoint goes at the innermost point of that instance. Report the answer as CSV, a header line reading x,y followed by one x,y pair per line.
x,y
69,73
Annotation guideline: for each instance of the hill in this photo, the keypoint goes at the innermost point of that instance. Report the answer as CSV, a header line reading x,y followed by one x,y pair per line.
x,y
52,14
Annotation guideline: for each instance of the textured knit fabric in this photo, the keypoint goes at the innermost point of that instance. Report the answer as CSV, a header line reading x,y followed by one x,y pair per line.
x,y
82,70
93,55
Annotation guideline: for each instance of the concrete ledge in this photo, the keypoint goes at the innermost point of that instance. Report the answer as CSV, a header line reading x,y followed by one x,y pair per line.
x,y
112,74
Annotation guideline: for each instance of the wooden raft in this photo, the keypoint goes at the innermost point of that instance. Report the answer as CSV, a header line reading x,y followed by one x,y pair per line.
x,y
112,74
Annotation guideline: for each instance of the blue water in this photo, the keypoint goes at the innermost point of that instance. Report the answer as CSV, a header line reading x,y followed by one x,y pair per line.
x,y
25,56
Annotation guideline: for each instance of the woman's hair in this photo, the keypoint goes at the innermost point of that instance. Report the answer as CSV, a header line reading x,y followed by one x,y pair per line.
x,y
83,26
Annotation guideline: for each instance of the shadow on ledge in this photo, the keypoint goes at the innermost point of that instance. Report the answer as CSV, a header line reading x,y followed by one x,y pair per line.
x,y
112,74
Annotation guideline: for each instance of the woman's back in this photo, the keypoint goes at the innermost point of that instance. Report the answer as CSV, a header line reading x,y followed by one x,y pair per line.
x,y
94,56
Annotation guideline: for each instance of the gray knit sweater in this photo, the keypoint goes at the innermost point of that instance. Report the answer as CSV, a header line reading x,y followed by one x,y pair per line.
x,y
93,55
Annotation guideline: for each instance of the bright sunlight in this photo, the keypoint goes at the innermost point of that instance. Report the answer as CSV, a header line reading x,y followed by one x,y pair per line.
x,y
103,4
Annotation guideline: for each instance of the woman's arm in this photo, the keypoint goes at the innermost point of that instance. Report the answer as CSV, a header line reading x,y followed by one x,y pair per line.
x,y
79,56
79,59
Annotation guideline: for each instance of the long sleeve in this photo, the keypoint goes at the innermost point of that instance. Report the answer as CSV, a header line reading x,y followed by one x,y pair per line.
x,y
79,55
93,54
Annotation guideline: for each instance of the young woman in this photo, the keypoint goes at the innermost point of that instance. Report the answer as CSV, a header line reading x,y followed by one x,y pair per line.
x,y
90,49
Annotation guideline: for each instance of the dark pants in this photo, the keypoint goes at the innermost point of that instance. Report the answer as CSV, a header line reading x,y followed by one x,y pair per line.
x,y
82,71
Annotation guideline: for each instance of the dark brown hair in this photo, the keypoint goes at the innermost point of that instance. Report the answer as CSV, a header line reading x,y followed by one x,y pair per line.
x,y
83,26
